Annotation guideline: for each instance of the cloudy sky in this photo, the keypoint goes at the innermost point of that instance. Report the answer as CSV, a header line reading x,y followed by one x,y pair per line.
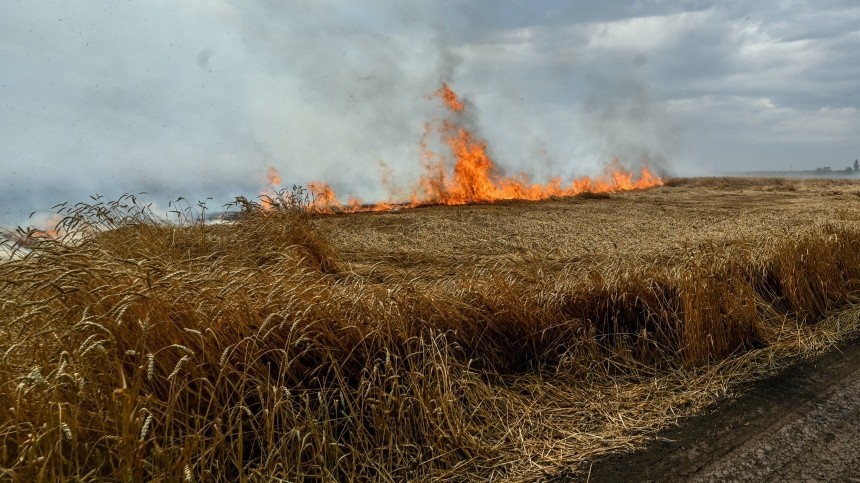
x,y
196,98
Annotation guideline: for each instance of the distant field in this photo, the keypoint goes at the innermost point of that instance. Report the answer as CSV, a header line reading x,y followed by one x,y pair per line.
x,y
630,228
506,340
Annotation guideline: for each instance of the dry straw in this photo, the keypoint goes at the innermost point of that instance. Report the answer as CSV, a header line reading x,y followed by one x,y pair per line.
x,y
134,348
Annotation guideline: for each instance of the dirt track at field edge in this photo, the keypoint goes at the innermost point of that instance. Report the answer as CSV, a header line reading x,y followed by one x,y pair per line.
x,y
800,424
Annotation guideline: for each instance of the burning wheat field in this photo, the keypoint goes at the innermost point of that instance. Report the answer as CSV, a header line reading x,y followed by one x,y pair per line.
x,y
441,241
481,327
468,175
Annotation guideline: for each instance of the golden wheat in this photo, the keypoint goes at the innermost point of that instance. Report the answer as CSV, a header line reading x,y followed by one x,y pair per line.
x,y
488,341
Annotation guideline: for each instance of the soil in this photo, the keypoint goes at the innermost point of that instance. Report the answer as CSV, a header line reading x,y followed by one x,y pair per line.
x,y
800,425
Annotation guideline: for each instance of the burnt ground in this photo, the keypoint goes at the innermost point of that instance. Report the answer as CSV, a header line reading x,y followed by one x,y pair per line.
x,y
802,424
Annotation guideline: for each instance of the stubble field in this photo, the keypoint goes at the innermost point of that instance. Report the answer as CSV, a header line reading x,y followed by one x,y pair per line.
x,y
504,341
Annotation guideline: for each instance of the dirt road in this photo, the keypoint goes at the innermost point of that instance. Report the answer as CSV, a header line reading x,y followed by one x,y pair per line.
x,y
800,425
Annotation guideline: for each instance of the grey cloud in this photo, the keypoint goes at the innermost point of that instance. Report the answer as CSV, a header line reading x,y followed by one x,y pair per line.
x,y
203,58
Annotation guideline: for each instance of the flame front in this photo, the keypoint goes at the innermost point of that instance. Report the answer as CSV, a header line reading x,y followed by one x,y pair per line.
x,y
474,177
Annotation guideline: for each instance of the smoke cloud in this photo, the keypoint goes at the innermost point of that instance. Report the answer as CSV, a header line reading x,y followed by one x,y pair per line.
x,y
198,99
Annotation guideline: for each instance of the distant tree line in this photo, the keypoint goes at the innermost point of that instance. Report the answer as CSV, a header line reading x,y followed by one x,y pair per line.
x,y
849,169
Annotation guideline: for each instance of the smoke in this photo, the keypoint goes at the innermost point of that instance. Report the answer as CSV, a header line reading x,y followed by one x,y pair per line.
x,y
199,100
624,121
353,89
200,103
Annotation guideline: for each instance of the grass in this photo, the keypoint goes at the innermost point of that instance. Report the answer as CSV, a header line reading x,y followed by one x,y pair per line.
x,y
501,341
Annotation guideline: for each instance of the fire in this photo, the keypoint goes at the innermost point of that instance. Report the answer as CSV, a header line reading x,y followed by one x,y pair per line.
x,y
474,177
273,178
324,199
49,228
450,98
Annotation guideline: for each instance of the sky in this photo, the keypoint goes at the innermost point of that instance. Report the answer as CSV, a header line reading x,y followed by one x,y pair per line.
x,y
197,98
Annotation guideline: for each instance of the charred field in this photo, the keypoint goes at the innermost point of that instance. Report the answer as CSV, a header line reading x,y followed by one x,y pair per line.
x,y
502,341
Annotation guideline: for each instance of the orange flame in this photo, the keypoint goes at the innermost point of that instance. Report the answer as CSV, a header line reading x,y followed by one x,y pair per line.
x,y
474,176
450,98
273,178
43,229
323,198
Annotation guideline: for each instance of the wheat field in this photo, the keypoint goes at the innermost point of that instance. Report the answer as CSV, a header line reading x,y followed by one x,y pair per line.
x,y
505,341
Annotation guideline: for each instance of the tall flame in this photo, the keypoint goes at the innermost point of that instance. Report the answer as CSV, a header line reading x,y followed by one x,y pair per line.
x,y
273,179
474,177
